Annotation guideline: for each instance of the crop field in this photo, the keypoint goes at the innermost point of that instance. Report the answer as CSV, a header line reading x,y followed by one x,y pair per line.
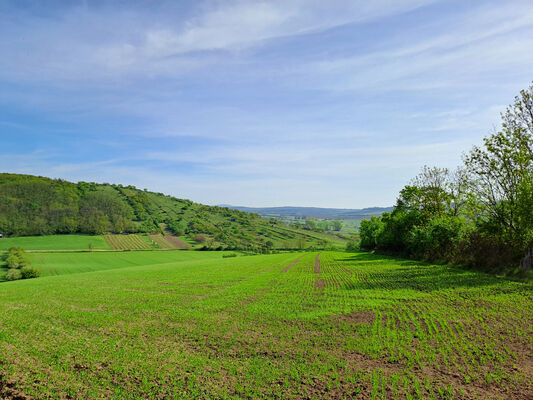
x,y
160,241
55,242
177,242
71,263
289,326
128,242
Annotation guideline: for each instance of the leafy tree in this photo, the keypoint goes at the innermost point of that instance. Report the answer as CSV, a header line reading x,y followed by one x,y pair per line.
x,y
370,231
310,223
501,175
337,225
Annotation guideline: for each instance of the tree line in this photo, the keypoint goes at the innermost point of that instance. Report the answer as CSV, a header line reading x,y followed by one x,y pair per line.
x,y
480,214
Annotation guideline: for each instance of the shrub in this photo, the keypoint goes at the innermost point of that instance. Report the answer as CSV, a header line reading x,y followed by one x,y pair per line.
x,y
200,238
370,231
16,258
230,255
28,272
352,246
12,261
13,274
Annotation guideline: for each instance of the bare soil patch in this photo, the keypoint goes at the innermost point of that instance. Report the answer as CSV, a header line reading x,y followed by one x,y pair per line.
x,y
161,242
177,242
356,317
319,284
8,391
291,264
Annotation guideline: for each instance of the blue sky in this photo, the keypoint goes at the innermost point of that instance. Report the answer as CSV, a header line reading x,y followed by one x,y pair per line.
x,y
309,103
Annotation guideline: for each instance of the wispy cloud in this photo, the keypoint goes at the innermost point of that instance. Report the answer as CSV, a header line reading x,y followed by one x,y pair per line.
x,y
256,102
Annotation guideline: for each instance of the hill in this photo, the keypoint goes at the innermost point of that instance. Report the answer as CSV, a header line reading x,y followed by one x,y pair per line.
x,y
314,212
34,205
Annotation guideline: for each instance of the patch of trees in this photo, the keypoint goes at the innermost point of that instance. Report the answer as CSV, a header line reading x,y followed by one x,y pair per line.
x,y
322,225
479,215
32,205
19,266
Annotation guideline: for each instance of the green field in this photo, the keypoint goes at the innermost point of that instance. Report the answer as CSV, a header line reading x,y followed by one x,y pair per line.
x,y
71,263
347,325
55,242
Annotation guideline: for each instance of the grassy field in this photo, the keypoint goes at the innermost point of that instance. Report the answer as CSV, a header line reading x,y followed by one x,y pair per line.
x,y
334,325
55,242
71,263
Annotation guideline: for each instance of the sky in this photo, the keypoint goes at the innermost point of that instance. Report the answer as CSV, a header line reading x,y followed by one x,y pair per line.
x,y
334,103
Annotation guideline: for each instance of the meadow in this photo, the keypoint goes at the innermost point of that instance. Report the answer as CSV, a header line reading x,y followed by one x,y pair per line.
x,y
56,242
292,325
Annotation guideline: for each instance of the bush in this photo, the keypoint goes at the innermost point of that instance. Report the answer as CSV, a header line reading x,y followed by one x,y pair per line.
x,y
230,255
200,238
16,258
370,231
29,272
12,261
352,246
438,239
13,274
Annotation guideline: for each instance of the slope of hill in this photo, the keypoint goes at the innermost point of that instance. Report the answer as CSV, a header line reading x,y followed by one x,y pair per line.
x,y
314,212
32,205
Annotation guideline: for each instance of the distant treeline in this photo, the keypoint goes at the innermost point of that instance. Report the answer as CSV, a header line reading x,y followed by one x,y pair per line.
x,y
479,215
32,205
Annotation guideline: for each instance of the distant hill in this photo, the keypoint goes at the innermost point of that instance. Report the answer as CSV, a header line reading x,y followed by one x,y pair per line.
x,y
314,212
34,205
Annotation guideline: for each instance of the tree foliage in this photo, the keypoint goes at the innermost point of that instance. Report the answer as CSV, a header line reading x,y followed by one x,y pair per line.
x,y
481,214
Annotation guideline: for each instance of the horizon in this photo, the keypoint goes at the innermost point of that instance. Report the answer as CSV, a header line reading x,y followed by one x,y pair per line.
x,y
259,103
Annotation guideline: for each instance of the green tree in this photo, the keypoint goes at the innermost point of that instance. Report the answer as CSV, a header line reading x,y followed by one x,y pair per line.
x,y
501,175
310,223
337,225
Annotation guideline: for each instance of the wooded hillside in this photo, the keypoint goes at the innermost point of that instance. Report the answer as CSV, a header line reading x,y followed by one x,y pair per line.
x,y
32,205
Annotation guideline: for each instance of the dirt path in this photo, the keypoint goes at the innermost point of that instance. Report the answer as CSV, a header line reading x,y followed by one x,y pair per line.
x,y
317,264
291,264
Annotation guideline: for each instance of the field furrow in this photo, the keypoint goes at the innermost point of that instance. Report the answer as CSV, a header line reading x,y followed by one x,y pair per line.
x,y
203,326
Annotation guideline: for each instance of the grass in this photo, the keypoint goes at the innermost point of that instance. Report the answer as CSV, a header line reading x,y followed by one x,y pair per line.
x,y
71,263
351,324
55,242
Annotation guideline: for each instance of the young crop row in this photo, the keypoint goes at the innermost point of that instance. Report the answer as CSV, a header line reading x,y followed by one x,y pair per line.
x,y
451,324
159,241
261,327
127,242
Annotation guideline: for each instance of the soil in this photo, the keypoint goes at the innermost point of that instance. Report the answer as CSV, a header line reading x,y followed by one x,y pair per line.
x,y
8,391
319,283
356,317
291,264
177,242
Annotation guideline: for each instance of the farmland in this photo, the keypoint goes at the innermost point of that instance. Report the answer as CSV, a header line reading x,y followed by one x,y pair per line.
x,y
292,325
128,242
55,242
71,263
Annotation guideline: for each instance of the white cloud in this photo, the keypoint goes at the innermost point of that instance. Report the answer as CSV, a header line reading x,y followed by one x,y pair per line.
x,y
483,42
85,46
